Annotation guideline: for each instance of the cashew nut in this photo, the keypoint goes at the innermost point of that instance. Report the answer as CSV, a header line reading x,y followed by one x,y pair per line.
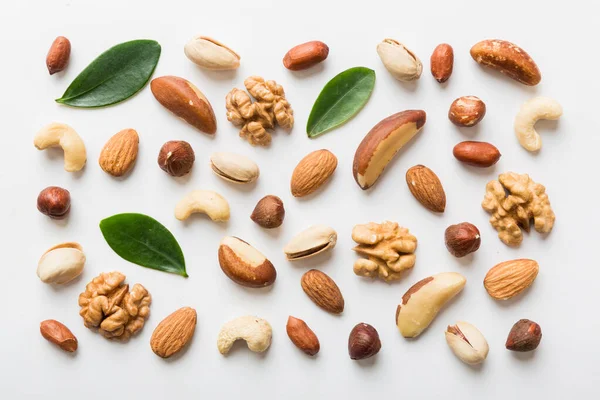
x,y
203,201
530,112
61,263
57,134
255,331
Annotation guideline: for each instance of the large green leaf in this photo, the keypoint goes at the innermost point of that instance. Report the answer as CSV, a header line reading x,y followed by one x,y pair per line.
x,y
143,240
116,75
341,99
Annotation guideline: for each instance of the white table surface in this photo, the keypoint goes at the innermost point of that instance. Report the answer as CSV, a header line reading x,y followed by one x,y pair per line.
x,y
563,300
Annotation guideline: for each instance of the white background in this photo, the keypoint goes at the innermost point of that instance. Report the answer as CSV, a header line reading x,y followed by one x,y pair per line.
x,y
563,299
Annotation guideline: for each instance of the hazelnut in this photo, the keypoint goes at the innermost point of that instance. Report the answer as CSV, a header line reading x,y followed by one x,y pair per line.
x,y
525,335
466,111
269,212
176,157
462,239
363,342
54,202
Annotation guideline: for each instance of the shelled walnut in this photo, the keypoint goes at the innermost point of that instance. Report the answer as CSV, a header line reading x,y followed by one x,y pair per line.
x,y
389,249
270,108
109,306
514,200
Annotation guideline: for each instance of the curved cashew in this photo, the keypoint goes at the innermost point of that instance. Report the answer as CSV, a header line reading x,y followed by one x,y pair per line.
x,y
203,201
530,112
57,134
255,331
61,263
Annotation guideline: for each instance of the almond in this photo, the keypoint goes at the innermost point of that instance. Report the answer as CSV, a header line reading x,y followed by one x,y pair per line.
x,y
382,143
120,152
312,171
302,336
477,154
510,278
186,101
173,332
305,55
323,291
245,265
426,187
442,62
509,59
58,55
55,332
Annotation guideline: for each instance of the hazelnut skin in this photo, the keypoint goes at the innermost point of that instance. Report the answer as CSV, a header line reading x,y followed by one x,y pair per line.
x,y
269,212
176,158
54,202
466,111
462,239
525,335
363,342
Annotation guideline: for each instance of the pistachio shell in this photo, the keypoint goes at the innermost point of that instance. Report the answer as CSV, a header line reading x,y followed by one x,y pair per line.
x,y
402,63
310,242
234,167
211,54
467,343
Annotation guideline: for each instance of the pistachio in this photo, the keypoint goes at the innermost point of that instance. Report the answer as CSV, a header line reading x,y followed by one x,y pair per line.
x,y
211,54
234,167
467,342
402,63
310,242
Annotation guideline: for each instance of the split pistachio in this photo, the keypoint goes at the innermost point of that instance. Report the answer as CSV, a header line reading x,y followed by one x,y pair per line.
x,y
467,343
61,263
402,63
234,167
310,242
211,54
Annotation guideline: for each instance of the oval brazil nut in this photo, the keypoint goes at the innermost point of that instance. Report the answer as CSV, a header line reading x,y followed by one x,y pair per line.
x,y
305,55
245,265
382,143
477,154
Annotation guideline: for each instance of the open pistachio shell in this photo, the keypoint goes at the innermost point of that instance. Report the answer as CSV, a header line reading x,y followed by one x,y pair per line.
x,y
234,167
310,242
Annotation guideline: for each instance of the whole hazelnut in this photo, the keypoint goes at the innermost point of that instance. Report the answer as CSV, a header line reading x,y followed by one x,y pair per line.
x,y
525,335
466,111
54,202
269,212
363,342
176,157
462,239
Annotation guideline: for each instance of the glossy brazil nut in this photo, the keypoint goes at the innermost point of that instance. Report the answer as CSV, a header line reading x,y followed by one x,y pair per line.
x,y
245,265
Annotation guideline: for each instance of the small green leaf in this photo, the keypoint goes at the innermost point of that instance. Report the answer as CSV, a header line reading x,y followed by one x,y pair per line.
x,y
341,99
143,240
116,75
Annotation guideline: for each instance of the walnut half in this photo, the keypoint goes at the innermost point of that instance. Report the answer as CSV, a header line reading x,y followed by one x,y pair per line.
x,y
514,200
389,249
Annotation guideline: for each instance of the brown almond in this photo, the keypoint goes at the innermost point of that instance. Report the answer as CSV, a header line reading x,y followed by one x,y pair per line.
x,y
466,111
245,265
173,332
477,154
269,212
442,62
312,172
323,291
510,278
305,55
426,187
58,55
302,336
120,152
382,143
186,101
509,59
57,333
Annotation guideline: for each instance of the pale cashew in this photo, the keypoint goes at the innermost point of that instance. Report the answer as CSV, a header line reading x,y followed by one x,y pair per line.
x,y
203,201
530,112
255,331
62,135
61,263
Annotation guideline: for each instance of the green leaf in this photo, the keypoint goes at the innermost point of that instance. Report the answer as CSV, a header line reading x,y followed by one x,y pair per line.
x,y
116,75
341,99
143,240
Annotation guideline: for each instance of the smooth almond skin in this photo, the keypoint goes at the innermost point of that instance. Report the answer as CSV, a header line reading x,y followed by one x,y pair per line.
x,y
173,332
442,62
310,242
382,143
184,100
426,187
58,55
509,59
312,172
305,55
302,336
422,302
402,63
467,343
245,265
234,167
477,154
57,333
323,291
120,152
510,278
211,54
466,111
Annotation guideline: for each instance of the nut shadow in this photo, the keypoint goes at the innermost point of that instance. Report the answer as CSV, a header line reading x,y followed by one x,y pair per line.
x,y
240,346
469,131
307,73
227,75
497,75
